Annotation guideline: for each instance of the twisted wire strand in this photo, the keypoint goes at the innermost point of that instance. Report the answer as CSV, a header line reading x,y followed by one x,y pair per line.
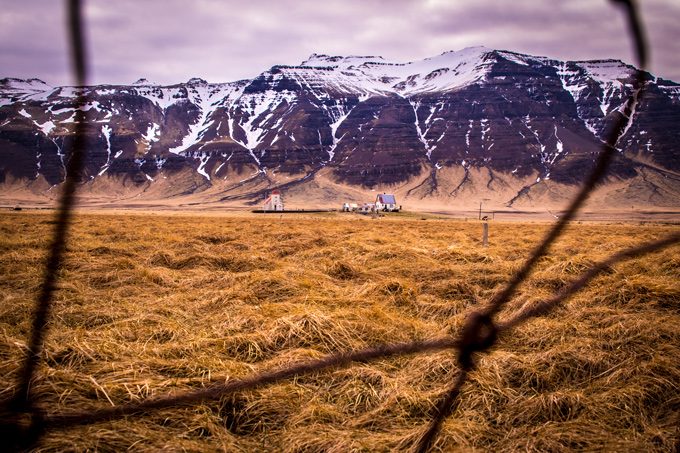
x,y
478,335
608,152
20,426
544,307
448,404
65,420
23,398
474,325
247,383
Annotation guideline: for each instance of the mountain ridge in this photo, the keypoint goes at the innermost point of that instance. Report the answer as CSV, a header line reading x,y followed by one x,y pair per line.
x,y
427,128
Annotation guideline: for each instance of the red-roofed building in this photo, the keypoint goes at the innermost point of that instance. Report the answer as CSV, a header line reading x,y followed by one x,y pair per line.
x,y
274,202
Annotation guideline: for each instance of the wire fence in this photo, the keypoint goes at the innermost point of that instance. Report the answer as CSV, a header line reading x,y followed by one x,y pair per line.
x,y
23,421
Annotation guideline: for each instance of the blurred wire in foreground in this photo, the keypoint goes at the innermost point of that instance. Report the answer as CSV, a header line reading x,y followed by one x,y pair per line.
x,y
22,406
22,420
480,331
65,420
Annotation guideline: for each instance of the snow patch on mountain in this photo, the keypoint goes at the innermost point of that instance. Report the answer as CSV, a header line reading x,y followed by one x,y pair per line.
x,y
106,132
571,81
341,62
152,134
514,57
12,89
163,97
205,98
259,110
203,159
337,114
448,71
604,71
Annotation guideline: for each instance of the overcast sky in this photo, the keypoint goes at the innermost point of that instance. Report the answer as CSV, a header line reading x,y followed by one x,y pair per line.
x,y
170,41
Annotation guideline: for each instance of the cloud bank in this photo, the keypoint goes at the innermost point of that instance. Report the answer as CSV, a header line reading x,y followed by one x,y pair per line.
x,y
170,41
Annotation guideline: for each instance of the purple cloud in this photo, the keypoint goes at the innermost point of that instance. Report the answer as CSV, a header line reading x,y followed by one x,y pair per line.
x,y
170,41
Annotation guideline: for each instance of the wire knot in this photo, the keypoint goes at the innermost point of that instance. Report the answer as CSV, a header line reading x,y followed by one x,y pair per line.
x,y
479,334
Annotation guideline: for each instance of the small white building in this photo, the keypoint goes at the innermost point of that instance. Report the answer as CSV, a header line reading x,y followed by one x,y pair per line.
x,y
350,207
274,202
367,208
386,202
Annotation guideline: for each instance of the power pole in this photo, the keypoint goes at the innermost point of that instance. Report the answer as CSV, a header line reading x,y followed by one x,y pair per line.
x,y
480,210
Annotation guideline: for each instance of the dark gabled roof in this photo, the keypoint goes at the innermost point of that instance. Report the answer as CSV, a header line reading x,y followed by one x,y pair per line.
x,y
387,199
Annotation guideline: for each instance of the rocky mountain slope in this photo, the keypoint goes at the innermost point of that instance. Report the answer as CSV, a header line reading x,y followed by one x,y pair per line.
x,y
514,129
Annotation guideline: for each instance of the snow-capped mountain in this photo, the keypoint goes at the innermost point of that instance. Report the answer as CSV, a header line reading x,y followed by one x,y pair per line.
x,y
471,121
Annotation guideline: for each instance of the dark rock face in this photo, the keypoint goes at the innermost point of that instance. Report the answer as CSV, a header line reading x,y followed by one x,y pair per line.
x,y
371,122
379,143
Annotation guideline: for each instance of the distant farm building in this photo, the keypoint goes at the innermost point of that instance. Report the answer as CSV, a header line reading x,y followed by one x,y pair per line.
x,y
383,203
274,202
386,202
350,207
367,208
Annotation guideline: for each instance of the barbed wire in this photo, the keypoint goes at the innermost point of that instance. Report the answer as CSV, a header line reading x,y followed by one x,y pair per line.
x,y
23,421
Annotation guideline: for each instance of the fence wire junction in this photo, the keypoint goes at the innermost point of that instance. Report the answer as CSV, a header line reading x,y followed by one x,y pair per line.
x,y
23,421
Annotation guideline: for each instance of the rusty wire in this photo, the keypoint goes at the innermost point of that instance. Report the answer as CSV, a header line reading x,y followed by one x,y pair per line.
x,y
22,421
22,406
65,420
23,399
544,307
480,331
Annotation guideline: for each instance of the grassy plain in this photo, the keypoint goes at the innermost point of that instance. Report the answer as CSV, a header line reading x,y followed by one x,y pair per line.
x,y
154,304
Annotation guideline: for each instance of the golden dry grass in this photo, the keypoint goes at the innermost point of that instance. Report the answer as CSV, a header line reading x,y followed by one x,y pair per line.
x,y
150,305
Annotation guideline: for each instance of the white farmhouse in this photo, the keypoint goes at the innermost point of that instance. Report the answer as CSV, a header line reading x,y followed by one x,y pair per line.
x,y
386,202
274,202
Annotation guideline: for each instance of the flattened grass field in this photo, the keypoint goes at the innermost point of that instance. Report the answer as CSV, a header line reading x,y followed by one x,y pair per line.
x,y
150,305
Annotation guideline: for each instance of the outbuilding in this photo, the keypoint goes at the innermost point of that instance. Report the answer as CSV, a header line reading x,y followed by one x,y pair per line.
x,y
367,208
